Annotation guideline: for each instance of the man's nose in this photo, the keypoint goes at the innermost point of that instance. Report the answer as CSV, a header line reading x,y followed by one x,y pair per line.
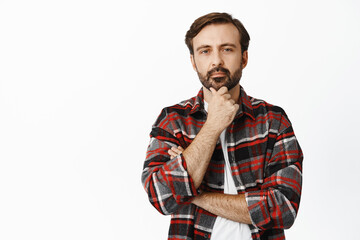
x,y
217,59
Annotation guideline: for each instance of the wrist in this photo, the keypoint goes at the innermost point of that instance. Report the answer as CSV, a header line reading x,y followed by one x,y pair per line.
x,y
212,129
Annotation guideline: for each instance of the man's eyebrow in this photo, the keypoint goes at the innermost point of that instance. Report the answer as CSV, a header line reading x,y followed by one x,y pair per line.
x,y
222,45
202,46
228,45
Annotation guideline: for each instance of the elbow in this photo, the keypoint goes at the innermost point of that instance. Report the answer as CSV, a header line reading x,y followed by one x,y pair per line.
x,y
288,220
285,213
274,212
280,221
286,217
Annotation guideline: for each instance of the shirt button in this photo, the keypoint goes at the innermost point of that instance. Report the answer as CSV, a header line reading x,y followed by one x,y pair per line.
x,y
220,184
206,236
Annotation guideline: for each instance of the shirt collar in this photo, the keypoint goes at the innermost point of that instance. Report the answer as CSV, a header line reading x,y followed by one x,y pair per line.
x,y
245,104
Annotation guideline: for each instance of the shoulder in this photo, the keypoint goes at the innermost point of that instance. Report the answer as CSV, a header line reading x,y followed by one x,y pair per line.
x,y
181,110
272,113
260,106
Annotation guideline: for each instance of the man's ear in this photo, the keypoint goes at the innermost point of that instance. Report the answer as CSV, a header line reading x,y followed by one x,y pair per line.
x,y
193,61
245,58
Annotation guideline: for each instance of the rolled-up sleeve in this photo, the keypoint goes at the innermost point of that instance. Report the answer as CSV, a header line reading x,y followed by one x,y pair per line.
x,y
275,204
166,181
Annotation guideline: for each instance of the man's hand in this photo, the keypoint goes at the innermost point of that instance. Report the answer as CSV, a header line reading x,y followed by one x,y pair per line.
x,y
174,152
222,109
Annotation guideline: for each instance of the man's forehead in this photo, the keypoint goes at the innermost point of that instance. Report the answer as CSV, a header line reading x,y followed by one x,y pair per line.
x,y
217,34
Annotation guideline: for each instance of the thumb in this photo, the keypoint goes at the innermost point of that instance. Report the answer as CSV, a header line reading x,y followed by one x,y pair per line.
x,y
237,107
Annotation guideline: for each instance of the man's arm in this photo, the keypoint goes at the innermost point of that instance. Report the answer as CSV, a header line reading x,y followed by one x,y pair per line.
x,y
233,207
221,112
171,183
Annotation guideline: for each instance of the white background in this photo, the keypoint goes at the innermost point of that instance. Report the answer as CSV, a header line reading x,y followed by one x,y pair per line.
x,y
81,83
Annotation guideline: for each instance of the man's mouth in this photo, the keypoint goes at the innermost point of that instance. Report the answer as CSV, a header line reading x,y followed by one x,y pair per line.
x,y
218,72
218,75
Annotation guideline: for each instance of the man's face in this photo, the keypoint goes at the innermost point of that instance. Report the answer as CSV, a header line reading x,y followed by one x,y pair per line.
x,y
217,56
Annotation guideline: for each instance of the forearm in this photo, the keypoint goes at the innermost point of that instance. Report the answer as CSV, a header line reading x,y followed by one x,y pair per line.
x,y
232,207
198,154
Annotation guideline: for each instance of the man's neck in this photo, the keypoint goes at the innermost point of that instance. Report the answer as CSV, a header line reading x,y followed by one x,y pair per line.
x,y
234,92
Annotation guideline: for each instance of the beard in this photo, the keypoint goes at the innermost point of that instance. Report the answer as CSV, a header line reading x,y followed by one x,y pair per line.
x,y
229,81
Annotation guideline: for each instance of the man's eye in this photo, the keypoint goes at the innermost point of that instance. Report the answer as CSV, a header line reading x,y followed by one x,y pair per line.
x,y
228,49
204,51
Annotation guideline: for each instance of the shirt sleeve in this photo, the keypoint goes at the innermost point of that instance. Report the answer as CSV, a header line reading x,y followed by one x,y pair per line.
x,y
275,204
166,181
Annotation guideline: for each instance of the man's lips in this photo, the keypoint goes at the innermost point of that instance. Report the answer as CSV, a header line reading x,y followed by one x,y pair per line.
x,y
218,74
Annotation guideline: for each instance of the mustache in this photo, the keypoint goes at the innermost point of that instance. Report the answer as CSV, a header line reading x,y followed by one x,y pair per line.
x,y
218,69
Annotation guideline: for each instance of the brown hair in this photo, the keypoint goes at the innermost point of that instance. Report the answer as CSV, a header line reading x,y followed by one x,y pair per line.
x,y
216,18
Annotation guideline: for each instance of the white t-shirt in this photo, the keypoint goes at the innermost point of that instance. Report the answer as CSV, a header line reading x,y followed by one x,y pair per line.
x,y
225,229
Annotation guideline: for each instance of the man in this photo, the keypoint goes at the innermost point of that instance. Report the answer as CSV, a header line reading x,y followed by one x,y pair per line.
x,y
223,164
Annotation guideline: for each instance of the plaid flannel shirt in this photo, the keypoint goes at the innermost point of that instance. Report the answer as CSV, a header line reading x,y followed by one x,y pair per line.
x,y
266,165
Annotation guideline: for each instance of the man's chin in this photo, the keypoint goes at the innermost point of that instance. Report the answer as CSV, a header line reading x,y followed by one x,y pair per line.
x,y
214,86
218,82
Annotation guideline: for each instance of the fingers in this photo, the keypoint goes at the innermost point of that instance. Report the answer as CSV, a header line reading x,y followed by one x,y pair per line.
x,y
177,150
221,91
174,152
232,101
237,106
225,95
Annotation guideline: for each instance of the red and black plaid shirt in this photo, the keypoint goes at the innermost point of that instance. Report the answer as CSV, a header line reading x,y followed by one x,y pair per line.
x,y
265,159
